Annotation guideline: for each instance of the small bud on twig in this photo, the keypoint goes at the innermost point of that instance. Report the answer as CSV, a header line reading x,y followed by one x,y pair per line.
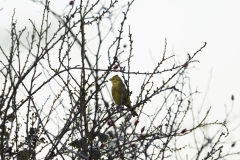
x,y
183,131
136,122
110,122
71,2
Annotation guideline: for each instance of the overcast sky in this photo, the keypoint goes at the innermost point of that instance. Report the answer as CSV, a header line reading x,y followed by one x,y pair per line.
x,y
186,25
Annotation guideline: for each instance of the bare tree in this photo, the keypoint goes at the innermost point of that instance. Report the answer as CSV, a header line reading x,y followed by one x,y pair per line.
x,y
55,103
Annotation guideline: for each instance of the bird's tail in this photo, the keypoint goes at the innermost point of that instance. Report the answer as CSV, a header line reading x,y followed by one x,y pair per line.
x,y
134,113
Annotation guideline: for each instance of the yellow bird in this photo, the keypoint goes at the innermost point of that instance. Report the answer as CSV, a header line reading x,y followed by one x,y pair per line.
x,y
120,94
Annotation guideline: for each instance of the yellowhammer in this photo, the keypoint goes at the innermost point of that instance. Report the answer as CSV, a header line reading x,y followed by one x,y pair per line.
x,y
120,94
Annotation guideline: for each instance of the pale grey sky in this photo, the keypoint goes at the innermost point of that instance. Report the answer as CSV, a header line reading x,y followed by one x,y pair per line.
x,y
187,25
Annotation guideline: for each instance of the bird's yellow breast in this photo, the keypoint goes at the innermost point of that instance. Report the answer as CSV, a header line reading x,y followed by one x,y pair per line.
x,y
117,93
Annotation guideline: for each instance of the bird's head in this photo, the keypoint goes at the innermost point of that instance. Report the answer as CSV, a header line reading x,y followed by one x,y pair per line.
x,y
115,79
